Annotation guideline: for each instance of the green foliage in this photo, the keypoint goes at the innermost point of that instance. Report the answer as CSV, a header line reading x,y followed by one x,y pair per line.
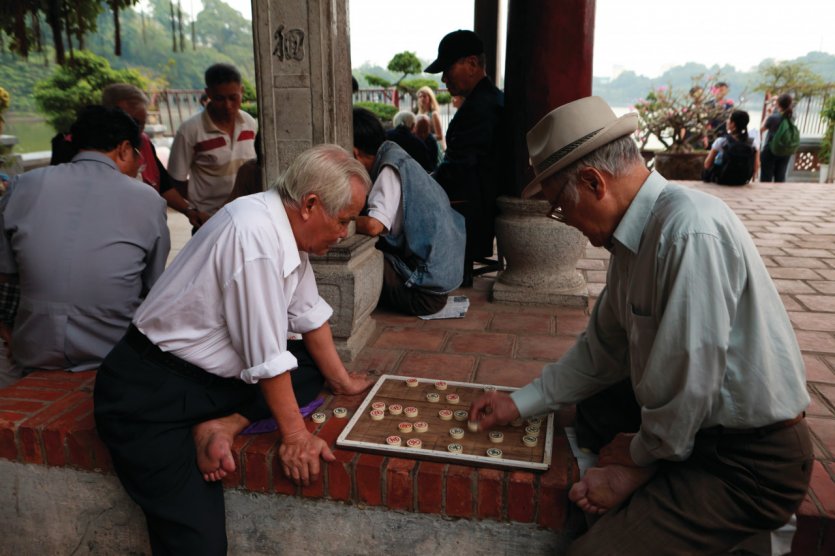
x,y
795,78
828,114
443,98
5,102
383,111
406,63
249,94
377,81
76,85
250,108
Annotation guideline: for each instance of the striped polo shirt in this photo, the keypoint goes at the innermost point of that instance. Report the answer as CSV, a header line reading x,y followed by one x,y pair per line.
x,y
209,158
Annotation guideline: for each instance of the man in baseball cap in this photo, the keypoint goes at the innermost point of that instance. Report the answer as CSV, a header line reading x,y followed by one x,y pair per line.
x,y
474,168
688,379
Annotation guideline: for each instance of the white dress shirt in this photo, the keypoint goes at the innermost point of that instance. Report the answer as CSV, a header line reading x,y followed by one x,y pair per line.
x,y
384,201
229,299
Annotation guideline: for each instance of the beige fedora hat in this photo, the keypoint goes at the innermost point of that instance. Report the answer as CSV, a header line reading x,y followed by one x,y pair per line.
x,y
570,132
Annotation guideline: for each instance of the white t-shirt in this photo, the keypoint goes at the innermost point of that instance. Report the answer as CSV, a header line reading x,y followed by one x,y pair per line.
x,y
229,299
209,158
384,201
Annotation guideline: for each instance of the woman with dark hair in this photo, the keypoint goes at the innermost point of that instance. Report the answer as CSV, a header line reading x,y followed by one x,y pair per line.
x,y
733,158
774,167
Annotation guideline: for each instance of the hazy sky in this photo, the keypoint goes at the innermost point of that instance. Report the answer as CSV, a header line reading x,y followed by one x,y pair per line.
x,y
647,36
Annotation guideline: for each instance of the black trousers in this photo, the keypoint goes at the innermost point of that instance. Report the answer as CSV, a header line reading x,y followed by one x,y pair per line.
x,y
146,404
411,301
773,168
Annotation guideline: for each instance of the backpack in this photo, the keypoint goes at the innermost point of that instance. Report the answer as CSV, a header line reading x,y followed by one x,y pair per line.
x,y
786,139
737,166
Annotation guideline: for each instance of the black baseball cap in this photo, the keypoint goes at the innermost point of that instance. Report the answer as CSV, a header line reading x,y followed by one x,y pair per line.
x,y
454,46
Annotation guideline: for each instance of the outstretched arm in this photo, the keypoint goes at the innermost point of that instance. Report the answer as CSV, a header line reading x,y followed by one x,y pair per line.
x,y
319,343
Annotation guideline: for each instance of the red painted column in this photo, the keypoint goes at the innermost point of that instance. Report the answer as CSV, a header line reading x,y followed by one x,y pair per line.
x,y
549,63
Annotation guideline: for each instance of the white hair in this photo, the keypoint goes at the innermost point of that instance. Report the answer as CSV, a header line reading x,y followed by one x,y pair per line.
x,y
404,117
326,171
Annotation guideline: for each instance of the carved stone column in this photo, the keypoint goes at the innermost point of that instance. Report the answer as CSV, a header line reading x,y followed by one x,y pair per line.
x,y
303,67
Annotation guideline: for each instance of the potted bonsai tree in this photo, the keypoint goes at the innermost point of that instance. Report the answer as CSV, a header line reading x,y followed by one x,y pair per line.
x,y
684,123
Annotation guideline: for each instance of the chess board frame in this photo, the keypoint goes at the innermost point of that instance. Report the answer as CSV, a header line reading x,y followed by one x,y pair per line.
x,y
361,417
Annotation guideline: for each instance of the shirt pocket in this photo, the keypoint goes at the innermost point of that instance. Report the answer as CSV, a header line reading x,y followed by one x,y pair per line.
x,y
642,331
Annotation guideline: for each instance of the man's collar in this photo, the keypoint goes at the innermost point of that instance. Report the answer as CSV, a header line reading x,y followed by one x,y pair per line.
x,y
96,156
292,258
209,124
630,230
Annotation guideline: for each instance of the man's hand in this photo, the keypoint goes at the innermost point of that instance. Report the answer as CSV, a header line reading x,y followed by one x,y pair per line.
x,y
300,452
197,218
493,408
617,451
352,384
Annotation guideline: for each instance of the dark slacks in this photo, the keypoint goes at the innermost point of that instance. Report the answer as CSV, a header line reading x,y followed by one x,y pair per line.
x,y
735,484
412,301
773,168
145,408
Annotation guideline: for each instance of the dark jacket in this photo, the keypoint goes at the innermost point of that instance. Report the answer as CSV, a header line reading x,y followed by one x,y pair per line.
x,y
476,163
410,143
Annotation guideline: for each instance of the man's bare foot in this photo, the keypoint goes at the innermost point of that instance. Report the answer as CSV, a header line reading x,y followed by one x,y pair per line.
x,y
603,488
213,441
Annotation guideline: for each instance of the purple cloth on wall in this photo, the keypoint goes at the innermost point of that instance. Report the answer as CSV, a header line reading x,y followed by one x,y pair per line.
x,y
269,424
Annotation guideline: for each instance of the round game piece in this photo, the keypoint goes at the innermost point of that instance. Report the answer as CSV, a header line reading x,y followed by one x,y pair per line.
x,y
421,426
379,405
393,440
412,382
460,415
535,421
473,426
490,388
411,411
377,414
414,443
445,415
530,441
532,430
496,437
405,427
494,452
440,385
455,448
395,409
456,433
319,417
452,398
340,412
517,422
432,397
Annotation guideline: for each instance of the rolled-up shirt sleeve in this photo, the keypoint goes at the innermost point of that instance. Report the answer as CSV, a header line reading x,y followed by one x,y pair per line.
x,y
307,311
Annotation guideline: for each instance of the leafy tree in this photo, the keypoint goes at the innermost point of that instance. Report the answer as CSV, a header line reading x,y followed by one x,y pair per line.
x,y
377,81
828,114
795,78
406,63
218,24
383,111
77,84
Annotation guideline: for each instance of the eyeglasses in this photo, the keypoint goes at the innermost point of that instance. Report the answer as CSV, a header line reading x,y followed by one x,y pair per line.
x,y
138,154
556,212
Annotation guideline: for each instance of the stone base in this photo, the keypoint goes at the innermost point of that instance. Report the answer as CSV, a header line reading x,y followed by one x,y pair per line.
x,y
350,278
574,297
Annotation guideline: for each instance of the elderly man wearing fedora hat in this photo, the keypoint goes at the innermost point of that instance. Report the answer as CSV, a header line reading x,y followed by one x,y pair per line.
x,y
688,377
474,168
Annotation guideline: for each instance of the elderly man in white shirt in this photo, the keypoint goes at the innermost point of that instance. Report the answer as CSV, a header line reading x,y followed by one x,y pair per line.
x,y
207,353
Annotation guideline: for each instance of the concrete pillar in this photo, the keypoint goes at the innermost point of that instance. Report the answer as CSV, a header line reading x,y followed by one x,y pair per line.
x,y
486,26
548,63
303,68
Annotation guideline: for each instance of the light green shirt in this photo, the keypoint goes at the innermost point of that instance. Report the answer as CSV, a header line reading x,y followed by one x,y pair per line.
x,y
690,314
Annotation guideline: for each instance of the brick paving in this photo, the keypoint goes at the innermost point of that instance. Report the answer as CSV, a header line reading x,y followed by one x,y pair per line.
x,y
47,419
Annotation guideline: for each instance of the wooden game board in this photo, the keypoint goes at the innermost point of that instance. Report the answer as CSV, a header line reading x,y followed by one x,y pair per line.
x,y
366,434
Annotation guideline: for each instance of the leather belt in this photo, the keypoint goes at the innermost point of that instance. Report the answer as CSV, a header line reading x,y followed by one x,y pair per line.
x,y
758,431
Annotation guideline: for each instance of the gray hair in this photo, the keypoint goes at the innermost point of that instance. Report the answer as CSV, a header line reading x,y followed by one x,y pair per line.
x,y
614,158
115,93
404,117
326,171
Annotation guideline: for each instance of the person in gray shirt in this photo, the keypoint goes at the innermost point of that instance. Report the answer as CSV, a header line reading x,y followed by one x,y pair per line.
x,y
688,379
85,241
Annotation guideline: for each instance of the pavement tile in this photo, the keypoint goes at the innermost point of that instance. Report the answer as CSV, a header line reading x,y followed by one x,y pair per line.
x,y
823,322
447,366
502,371
481,343
549,348
817,407
475,319
824,430
817,370
825,287
376,359
820,303
827,394
407,338
790,273
794,262
791,286
819,342
523,323
790,303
